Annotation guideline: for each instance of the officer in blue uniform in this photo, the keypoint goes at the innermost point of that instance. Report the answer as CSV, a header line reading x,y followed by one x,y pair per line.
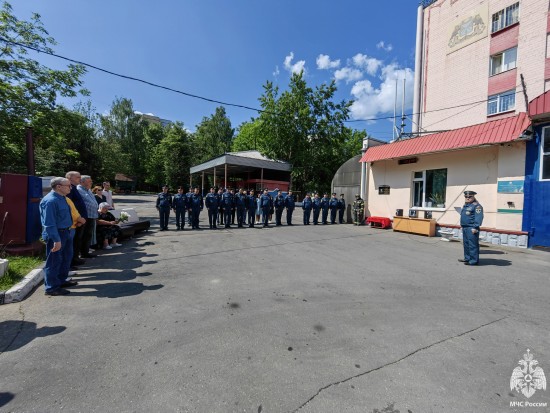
x,y
316,207
189,217
164,204
333,206
227,205
279,204
266,204
325,203
341,208
220,207
197,204
289,205
211,202
240,204
251,208
179,205
306,207
471,218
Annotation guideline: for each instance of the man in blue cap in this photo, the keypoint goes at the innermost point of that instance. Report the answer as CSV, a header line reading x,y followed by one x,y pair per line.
x,y
471,218
164,204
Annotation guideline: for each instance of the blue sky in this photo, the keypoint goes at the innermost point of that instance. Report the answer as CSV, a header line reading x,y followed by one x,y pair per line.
x,y
227,50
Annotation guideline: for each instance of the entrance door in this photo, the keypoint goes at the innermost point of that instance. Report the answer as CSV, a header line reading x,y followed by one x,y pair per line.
x,y
540,215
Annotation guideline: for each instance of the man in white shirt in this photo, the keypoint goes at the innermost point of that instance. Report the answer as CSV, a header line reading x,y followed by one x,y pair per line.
x,y
108,194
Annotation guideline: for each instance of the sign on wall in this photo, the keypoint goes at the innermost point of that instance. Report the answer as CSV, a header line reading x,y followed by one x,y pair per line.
x,y
510,187
468,28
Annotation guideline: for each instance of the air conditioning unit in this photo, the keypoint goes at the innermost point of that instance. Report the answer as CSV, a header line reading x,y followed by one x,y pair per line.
x,y
413,213
398,212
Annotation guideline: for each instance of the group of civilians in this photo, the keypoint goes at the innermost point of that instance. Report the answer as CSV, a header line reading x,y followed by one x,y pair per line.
x,y
74,218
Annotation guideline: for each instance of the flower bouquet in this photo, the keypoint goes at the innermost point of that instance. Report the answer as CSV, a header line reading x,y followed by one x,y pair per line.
x,y
123,217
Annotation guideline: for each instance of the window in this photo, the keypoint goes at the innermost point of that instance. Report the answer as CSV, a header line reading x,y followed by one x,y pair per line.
x,y
504,61
429,186
545,155
502,102
505,18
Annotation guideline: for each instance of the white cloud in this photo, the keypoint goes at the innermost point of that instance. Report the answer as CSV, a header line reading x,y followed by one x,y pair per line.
x,y
382,45
370,102
364,62
297,67
276,72
348,74
324,62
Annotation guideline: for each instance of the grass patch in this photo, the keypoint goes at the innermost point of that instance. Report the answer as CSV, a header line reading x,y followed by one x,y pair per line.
x,y
18,268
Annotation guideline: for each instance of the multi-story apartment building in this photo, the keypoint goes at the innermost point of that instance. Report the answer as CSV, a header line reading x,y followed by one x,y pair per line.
x,y
478,65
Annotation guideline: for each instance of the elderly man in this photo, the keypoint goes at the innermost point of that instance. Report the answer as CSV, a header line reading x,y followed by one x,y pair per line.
x,y
74,195
84,189
55,216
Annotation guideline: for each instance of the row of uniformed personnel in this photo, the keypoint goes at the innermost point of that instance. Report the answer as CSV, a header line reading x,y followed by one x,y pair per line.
x,y
224,204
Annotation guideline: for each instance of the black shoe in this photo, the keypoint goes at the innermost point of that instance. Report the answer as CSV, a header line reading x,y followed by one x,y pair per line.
x,y
461,260
59,291
89,256
69,284
77,261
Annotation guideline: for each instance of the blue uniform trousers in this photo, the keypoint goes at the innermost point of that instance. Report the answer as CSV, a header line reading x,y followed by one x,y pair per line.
x,y
180,218
195,212
265,215
213,217
164,214
227,216
289,212
341,216
307,216
325,216
56,269
278,216
251,217
241,215
333,216
471,246
316,216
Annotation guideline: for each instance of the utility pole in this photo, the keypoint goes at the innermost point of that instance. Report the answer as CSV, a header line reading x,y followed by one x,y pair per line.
x,y
402,128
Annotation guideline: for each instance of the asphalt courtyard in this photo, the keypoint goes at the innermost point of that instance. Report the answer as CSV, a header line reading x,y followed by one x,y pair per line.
x,y
334,318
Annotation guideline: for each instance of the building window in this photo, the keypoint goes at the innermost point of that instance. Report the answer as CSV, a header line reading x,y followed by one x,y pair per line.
x,y
503,61
545,155
429,187
506,17
503,102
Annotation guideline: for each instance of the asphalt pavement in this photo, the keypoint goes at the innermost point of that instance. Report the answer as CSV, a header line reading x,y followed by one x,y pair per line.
x,y
326,318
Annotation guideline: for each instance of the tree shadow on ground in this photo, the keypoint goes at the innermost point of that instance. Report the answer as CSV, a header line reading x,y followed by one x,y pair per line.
x,y
18,333
491,252
113,290
5,398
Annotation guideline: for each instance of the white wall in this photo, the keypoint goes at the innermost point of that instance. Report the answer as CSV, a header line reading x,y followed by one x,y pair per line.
x,y
474,169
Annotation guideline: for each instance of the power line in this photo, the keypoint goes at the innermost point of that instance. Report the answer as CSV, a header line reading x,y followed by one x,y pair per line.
x,y
135,78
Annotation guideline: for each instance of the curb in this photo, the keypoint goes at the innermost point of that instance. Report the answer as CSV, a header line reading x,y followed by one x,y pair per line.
x,y
20,290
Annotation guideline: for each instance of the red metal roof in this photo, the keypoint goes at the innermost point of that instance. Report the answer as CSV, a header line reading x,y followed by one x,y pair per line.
x,y
488,133
540,105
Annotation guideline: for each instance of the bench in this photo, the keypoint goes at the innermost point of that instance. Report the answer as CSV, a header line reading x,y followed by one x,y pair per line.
x,y
133,225
379,222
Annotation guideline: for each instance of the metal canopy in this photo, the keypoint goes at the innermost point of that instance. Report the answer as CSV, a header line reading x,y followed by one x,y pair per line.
x,y
238,162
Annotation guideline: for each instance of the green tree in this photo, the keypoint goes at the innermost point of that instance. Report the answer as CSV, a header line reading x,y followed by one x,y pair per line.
x,y
248,137
176,155
28,89
123,140
305,127
214,136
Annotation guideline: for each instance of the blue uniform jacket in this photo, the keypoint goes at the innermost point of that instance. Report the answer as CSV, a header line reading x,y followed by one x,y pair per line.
x,y
266,201
78,202
227,200
179,202
290,202
333,203
196,202
307,203
325,203
279,202
251,202
316,203
240,200
341,203
211,201
164,201
471,215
